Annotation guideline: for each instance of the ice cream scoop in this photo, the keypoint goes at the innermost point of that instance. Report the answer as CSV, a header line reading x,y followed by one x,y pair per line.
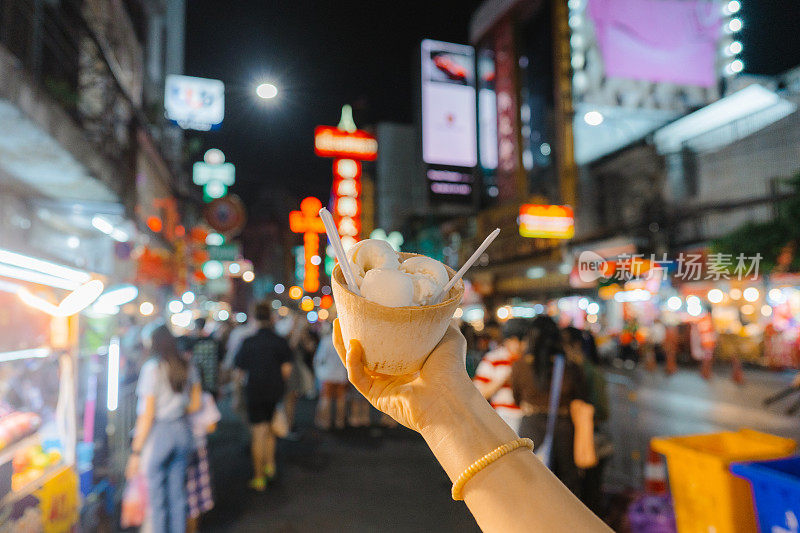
x,y
370,254
425,266
388,287
424,289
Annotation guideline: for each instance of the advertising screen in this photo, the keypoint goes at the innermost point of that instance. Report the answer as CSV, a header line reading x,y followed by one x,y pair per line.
x,y
194,103
449,121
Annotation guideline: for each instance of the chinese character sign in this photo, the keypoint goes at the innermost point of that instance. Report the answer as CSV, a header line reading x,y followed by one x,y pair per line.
x,y
349,146
307,222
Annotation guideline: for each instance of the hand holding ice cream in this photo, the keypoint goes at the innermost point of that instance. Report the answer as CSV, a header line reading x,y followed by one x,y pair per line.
x,y
397,305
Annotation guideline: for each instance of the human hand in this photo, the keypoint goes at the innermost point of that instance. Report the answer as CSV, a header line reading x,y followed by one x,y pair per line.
x,y
132,468
414,400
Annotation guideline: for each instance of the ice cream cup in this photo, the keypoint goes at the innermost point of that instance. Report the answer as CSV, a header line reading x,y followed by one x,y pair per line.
x,y
396,340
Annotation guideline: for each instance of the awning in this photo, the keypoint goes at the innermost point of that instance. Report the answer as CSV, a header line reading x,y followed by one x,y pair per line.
x,y
725,121
37,162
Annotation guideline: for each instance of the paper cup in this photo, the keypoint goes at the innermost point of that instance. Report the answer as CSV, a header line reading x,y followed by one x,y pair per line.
x,y
396,340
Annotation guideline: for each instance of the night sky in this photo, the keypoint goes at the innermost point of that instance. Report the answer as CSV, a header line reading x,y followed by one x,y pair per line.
x,y
321,55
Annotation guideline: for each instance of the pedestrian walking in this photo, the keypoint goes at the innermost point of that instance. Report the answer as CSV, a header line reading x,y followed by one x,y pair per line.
x,y
234,342
204,350
266,361
531,382
199,495
168,390
575,345
493,374
303,342
332,376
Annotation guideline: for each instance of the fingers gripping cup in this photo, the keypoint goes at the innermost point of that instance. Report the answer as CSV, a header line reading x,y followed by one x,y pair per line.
x,y
396,340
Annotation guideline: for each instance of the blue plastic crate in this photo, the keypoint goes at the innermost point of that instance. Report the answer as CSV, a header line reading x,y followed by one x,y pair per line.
x,y
776,492
651,513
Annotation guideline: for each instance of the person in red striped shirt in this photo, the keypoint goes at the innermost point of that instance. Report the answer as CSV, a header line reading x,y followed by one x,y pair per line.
x,y
493,375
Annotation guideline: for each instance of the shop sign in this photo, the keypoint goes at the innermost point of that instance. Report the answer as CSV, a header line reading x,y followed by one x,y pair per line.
x,y
226,215
203,173
194,103
58,502
509,181
308,222
224,252
546,221
330,141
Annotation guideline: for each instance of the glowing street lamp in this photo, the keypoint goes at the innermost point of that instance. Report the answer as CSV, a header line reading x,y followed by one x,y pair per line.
x,y
266,91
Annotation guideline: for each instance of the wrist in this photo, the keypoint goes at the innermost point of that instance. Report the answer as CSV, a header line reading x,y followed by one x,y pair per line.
x,y
464,430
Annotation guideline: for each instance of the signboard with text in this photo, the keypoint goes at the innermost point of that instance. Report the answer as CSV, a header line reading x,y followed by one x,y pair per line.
x,y
546,221
330,141
194,103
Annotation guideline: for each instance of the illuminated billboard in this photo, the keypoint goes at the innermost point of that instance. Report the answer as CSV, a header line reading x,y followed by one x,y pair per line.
x,y
672,41
546,221
449,123
194,103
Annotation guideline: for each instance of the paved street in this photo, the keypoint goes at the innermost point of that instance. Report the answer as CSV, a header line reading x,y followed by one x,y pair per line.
x,y
644,405
355,480
387,480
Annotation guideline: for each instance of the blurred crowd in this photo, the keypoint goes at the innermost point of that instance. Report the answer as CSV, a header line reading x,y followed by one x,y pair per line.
x,y
537,376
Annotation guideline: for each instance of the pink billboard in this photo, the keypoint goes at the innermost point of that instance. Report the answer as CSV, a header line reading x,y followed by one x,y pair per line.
x,y
672,41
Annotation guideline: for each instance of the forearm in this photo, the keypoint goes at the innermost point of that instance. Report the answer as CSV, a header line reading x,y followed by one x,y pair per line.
x,y
516,492
143,426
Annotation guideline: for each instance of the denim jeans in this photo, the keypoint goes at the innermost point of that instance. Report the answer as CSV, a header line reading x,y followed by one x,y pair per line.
x,y
172,444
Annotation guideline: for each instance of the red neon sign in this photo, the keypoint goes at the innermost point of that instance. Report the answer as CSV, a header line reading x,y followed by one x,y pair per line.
x,y
330,141
308,222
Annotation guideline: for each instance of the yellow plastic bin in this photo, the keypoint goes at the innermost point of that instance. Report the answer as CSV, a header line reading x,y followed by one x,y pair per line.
x,y
707,497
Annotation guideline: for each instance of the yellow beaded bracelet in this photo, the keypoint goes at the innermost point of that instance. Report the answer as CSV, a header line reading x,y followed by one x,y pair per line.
x,y
485,461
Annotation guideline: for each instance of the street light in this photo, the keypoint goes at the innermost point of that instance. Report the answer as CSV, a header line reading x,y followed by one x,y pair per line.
x,y
267,91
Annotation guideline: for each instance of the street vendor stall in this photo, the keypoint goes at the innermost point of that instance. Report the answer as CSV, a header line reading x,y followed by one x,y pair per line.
x,y
38,424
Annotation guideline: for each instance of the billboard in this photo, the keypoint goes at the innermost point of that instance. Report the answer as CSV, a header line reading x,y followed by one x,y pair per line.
x,y
449,121
194,103
663,41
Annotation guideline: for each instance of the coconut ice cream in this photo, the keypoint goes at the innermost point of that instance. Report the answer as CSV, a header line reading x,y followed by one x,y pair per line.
x,y
395,318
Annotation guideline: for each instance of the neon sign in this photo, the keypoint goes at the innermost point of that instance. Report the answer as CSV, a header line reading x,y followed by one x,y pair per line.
x,y
307,222
349,146
330,141
546,221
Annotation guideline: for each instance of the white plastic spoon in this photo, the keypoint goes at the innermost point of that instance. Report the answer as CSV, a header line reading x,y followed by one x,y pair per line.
x,y
338,249
463,270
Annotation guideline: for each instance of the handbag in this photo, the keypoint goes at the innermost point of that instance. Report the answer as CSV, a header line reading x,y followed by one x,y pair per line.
x,y
134,502
543,451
